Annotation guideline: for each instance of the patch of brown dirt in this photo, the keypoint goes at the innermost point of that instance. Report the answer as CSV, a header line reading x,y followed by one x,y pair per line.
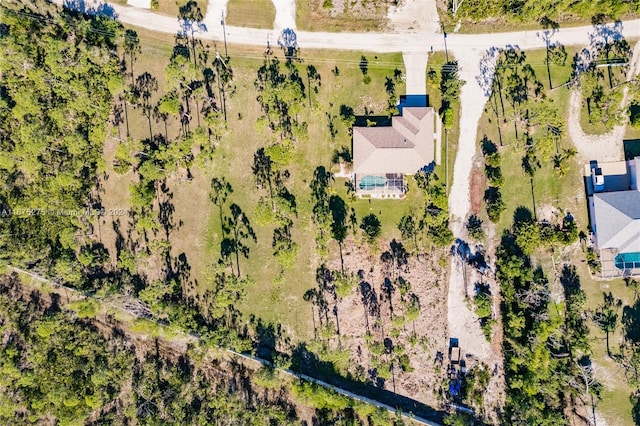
x,y
476,189
368,315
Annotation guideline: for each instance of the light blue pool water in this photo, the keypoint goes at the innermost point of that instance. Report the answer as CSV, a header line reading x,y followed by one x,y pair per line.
x,y
372,182
627,260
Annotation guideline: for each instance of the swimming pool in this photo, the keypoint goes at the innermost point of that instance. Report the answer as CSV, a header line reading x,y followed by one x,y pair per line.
x,y
627,260
372,182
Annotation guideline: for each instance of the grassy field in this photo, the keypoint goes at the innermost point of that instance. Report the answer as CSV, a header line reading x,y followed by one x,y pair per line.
x,y
279,298
277,295
251,13
548,187
172,7
354,15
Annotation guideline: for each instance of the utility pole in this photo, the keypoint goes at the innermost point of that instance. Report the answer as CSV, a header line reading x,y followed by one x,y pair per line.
x,y
224,33
444,34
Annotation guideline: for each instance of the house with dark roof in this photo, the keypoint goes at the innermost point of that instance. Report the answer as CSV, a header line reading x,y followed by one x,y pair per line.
x,y
384,155
614,210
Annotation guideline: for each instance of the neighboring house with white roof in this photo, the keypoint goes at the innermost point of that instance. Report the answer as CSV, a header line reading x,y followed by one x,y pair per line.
x,y
384,155
614,210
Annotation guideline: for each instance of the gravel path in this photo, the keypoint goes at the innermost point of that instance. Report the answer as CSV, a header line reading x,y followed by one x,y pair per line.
x,y
607,147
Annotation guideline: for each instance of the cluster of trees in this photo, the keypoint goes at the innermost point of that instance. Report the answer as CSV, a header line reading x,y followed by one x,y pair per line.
x,y
56,94
600,72
332,216
58,367
432,226
484,309
351,411
55,366
281,94
278,208
546,343
533,114
449,84
493,172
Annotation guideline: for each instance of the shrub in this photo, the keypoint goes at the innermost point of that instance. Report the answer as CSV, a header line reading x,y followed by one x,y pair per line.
x,y
593,261
447,118
495,205
494,175
366,79
371,227
405,363
474,227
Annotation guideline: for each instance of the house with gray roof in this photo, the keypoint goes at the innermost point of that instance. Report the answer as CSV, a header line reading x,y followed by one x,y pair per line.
x,y
614,209
384,155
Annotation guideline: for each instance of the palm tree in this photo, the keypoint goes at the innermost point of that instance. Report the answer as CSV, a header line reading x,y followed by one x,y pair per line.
x,y
606,316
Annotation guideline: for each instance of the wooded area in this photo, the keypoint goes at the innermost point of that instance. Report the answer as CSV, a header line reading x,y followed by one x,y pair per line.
x,y
530,11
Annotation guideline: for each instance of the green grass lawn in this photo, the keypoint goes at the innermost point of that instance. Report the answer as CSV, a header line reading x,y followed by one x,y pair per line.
x,y
251,13
172,7
275,297
357,15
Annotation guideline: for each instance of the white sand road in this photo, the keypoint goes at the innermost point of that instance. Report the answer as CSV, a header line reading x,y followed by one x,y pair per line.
x,y
463,323
460,44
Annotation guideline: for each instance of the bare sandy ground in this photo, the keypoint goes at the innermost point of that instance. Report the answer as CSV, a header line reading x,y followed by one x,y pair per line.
x,y
414,16
285,14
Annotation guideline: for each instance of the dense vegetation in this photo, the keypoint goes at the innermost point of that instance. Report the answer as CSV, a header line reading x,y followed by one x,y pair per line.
x,y
57,90
517,11
60,368
546,342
